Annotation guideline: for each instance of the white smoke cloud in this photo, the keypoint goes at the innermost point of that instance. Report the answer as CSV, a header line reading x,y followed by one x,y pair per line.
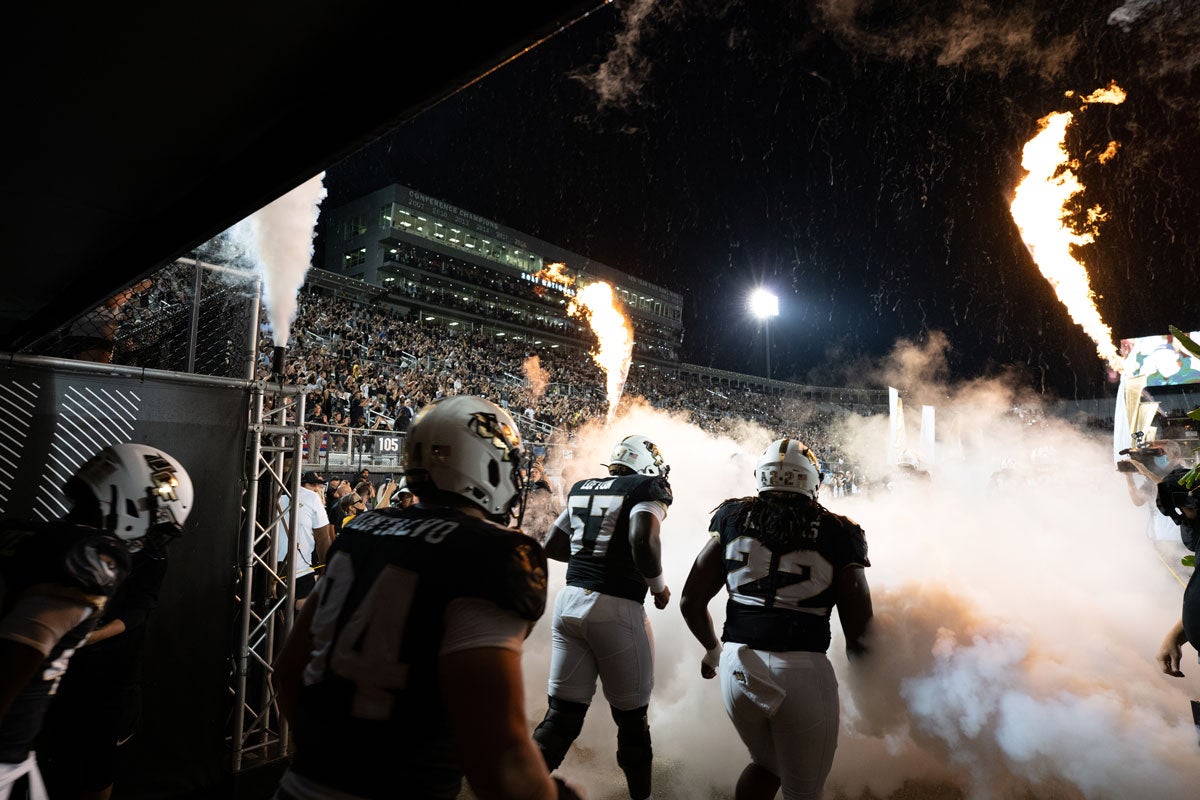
x,y
1016,621
1129,13
619,78
278,239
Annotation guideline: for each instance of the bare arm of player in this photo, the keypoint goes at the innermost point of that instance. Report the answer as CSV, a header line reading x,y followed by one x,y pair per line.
x,y
106,631
703,582
647,554
1170,654
558,544
854,609
289,665
485,696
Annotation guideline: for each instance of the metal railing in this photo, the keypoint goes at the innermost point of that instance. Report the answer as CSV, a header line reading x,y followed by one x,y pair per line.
x,y
333,449
336,448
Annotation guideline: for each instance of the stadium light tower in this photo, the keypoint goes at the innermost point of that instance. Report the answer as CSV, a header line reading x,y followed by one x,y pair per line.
x,y
763,306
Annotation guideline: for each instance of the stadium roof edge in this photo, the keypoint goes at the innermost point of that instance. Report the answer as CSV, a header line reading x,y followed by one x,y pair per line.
x,y
131,161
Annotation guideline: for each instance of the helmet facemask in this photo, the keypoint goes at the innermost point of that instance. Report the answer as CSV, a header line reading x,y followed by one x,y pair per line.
x,y
504,437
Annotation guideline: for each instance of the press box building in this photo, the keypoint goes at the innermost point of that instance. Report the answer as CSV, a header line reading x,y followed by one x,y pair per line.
x,y
452,266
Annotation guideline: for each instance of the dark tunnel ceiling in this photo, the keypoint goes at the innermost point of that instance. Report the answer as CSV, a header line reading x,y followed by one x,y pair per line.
x,y
133,139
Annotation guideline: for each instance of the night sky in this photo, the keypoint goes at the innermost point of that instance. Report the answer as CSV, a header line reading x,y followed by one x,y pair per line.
x,y
855,157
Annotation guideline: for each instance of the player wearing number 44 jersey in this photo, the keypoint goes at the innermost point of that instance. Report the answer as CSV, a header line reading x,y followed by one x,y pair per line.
x,y
405,673
608,534
785,561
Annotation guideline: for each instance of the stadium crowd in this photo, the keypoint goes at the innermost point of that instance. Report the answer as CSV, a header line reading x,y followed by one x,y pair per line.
x,y
367,367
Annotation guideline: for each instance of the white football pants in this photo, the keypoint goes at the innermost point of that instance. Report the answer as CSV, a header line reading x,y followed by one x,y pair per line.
x,y
785,708
598,635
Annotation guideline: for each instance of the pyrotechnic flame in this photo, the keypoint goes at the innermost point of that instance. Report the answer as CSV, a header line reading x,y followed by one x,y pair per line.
x,y
598,304
555,273
1112,94
1039,208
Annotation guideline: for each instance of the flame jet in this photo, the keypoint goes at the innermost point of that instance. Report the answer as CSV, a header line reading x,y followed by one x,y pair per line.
x,y
1040,209
597,303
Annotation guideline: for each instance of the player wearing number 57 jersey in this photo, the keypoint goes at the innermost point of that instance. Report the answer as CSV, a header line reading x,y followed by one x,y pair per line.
x,y
405,674
786,561
608,535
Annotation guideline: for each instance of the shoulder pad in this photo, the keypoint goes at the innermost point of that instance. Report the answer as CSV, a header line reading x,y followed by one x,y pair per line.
x,y
660,490
843,522
97,563
854,538
722,512
524,575
65,554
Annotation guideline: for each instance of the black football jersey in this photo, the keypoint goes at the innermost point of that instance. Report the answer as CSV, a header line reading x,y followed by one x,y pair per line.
x,y
370,718
81,564
783,601
601,556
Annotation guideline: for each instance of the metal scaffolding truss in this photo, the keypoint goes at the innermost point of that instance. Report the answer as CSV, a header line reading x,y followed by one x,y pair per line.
x,y
266,592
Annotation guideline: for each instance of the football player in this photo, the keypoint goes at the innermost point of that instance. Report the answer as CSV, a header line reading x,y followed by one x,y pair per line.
x,y
786,561
406,671
609,536
1182,505
56,578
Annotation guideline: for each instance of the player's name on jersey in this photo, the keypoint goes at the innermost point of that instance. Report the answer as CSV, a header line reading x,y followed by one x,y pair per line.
x,y
597,484
433,530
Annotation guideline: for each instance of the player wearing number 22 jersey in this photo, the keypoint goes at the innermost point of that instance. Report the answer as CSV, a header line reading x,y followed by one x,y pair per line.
x,y
405,673
785,561
608,534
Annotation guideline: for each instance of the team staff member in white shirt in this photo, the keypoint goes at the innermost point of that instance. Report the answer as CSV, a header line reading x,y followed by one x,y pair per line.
x,y
313,536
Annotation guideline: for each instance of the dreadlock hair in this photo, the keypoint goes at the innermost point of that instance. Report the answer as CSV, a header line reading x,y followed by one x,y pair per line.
x,y
783,520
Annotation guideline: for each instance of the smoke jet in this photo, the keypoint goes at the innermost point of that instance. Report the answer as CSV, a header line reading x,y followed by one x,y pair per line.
x,y
278,239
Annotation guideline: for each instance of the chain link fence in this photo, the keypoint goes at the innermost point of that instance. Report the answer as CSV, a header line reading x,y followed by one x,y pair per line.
x,y
188,317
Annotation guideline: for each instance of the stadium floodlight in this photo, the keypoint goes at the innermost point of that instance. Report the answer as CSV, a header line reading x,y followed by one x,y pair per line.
x,y
764,305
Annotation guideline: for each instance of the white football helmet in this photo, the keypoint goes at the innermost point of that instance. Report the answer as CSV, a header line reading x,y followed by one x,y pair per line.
x,y
787,465
138,487
640,455
465,446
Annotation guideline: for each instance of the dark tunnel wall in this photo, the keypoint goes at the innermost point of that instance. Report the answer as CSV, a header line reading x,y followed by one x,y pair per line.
x,y
57,417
